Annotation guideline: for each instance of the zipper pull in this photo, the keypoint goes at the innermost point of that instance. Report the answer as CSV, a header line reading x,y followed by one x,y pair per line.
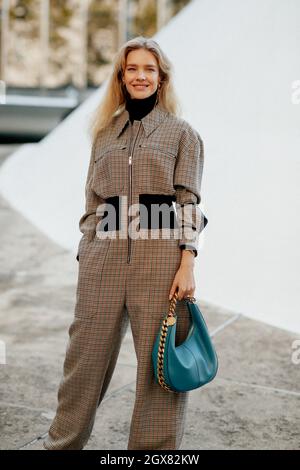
x,y
130,160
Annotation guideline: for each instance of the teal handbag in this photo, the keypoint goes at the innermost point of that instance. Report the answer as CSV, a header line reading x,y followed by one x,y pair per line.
x,y
193,363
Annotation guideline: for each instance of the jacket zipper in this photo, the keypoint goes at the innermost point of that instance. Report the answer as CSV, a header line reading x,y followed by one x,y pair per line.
x,y
131,150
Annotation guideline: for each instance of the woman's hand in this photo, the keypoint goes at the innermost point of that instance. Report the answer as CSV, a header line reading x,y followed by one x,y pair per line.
x,y
184,281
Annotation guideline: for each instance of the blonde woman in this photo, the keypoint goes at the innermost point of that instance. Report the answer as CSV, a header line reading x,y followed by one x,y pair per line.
x,y
145,156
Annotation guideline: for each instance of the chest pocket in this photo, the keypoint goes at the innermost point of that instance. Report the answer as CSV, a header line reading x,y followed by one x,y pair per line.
x,y
153,168
110,170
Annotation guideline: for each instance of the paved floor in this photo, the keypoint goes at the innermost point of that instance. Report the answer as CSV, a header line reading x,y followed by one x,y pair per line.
x,y
253,403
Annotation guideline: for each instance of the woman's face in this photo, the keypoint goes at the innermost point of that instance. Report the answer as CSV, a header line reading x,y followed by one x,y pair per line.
x,y
141,68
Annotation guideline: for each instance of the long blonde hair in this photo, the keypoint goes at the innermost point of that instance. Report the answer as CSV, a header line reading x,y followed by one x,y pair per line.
x,y
114,98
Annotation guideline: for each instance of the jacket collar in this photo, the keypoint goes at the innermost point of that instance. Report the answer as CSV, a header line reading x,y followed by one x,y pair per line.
x,y
150,122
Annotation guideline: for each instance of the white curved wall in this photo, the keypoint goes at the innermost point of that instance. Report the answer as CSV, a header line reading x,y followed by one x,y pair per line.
x,y
235,63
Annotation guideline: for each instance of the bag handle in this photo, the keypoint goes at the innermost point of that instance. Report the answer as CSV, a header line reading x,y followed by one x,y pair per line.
x,y
171,317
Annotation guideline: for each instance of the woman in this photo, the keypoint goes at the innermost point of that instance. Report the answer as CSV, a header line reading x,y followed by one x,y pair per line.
x,y
143,155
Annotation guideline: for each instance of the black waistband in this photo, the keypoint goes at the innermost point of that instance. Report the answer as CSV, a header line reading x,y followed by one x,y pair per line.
x,y
145,199
149,219
156,199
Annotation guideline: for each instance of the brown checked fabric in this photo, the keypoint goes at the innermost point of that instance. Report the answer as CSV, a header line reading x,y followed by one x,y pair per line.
x,y
123,279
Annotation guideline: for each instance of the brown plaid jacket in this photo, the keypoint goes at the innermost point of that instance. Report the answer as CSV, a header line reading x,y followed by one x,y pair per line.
x,y
167,159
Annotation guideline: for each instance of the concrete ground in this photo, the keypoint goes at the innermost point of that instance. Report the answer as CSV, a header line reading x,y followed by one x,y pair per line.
x,y
253,403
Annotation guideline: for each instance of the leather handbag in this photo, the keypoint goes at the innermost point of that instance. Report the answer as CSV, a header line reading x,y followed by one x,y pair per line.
x,y
193,363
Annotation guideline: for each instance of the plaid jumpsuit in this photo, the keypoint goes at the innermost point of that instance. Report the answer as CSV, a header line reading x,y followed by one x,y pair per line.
x,y
122,278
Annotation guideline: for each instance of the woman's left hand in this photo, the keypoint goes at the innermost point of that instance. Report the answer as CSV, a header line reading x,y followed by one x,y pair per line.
x,y
184,281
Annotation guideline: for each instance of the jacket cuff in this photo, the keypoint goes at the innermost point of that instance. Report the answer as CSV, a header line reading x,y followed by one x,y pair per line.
x,y
189,244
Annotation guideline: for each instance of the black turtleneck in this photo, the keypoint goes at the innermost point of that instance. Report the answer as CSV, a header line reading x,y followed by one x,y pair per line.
x,y
138,108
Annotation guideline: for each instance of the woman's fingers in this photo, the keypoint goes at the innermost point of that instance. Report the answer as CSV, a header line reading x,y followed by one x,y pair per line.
x,y
185,293
184,284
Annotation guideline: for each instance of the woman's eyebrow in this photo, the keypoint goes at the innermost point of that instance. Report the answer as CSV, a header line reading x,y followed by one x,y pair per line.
x,y
146,65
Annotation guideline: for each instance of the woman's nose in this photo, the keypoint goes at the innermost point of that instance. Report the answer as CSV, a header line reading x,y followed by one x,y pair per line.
x,y
141,75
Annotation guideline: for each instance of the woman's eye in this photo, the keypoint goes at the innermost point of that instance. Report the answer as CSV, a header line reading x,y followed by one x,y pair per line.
x,y
151,70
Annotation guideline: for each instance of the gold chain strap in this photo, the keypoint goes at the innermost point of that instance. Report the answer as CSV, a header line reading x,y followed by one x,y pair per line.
x,y
168,321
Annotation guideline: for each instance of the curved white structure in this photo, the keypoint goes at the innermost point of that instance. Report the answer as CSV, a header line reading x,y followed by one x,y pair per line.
x,y
236,64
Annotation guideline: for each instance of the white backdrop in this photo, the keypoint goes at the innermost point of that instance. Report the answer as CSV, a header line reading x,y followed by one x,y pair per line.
x,y
235,63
